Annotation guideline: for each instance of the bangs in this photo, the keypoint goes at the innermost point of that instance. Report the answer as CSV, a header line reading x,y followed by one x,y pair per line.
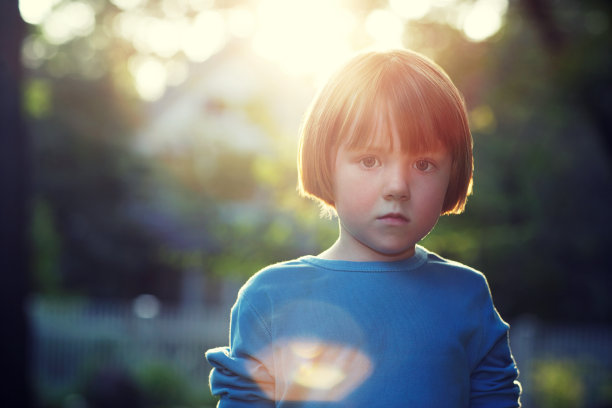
x,y
377,123
398,102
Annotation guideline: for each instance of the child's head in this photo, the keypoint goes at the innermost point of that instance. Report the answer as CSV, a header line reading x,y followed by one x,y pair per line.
x,y
384,93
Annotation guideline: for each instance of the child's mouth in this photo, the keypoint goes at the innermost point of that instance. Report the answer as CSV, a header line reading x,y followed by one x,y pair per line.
x,y
394,218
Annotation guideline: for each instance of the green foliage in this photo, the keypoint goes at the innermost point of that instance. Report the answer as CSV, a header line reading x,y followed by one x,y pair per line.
x,y
163,386
110,222
539,213
570,382
231,178
154,385
250,240
542,174
37,98
83,236
558,384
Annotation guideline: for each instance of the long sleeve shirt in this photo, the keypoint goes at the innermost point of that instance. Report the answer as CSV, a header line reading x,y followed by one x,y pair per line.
x,y
421,332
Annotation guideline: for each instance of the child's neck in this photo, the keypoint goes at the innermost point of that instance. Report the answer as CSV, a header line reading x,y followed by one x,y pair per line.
x,y
358,252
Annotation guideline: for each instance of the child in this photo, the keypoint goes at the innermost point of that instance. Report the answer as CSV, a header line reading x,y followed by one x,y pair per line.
x,y
375,320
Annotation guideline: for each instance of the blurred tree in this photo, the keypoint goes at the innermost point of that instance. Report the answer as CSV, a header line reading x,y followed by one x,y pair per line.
x,y
564,177
85,177
14,188
537,224
575,59
542,179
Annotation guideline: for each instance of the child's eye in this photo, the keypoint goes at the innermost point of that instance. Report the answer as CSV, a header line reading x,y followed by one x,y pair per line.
x,y
369,162
424,165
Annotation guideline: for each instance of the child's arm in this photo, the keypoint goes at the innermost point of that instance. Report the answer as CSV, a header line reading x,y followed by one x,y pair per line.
x,y
494,378
240,375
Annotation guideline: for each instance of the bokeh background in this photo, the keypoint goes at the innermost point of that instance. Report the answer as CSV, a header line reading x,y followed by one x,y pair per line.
x,y
149,169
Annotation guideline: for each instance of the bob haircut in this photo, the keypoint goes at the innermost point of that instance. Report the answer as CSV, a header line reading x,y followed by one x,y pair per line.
x,y
379,93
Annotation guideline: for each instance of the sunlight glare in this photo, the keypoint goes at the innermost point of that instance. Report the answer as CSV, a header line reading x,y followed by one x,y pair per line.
x,y
410,9
200,5
306,349
125,25
385,28
177,72
69,20
314,374
206,36
127,4
163,36
175,8
140,28
150,76
318,376
241,22
303,37
35,11
484,19
319,370
150,34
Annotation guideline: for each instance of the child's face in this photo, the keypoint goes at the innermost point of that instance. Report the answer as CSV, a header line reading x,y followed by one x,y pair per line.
x,y
387,200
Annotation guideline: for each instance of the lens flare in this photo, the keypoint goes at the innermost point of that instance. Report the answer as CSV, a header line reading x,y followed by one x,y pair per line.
x,y
319,376
315,370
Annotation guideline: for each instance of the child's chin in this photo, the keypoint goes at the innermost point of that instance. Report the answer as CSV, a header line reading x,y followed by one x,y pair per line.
x,y
396,252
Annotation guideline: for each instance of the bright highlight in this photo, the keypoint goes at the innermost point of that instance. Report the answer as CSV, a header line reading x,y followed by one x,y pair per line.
x,y
385,27
206,36
67,21
303,37
317,370
410,9
150,77
35,11
484,19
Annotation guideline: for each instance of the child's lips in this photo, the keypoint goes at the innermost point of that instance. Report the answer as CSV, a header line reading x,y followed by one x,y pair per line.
x,y
394,218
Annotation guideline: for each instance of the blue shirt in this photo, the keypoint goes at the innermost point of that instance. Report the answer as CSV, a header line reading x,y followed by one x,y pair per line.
x,y
421,332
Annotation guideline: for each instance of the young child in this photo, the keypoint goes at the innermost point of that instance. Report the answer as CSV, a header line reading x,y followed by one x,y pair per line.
x,y
375,320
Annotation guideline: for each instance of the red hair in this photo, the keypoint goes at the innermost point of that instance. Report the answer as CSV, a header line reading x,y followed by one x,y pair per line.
x,y
397,90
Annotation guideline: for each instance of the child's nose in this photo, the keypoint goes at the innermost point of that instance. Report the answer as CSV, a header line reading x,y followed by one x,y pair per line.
x,y
397,186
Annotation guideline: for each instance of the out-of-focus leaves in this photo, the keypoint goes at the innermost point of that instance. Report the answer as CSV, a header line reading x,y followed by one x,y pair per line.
x,y
537,224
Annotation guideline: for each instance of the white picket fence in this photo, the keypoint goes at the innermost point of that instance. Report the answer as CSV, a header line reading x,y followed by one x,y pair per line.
x,y
71,336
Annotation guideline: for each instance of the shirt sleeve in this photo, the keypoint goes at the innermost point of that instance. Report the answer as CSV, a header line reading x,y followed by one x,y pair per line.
x,y
493,380
241,375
